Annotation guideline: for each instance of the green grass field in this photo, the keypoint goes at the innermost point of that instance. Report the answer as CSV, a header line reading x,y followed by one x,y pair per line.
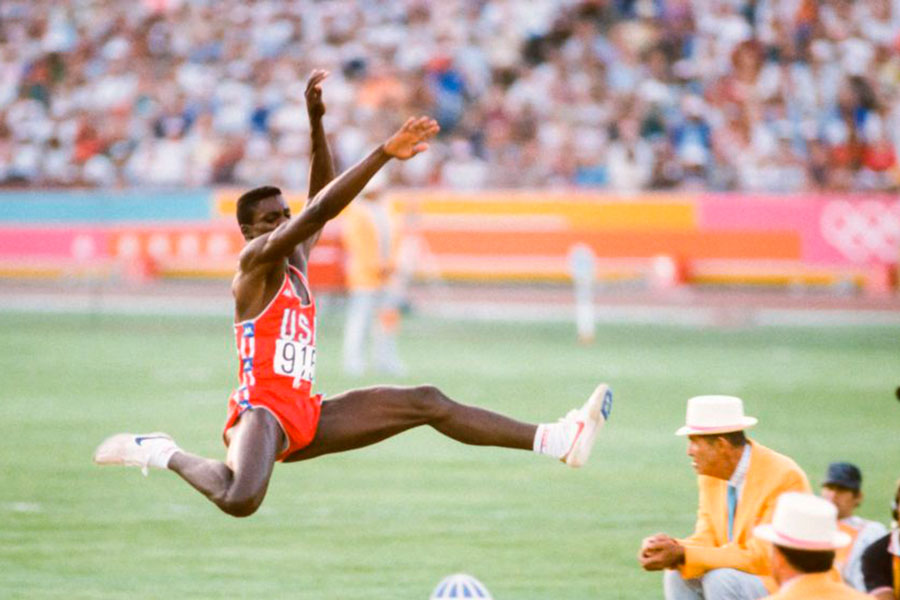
x,y
388,522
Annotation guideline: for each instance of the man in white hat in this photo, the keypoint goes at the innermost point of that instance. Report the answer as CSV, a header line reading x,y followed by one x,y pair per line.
x,y
805,536
739,482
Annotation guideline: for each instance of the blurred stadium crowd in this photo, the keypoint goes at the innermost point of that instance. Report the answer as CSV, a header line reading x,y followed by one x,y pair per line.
x,y
753,95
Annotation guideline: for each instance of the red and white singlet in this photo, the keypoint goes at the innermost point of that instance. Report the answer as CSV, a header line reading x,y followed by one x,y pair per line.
x,y
277,353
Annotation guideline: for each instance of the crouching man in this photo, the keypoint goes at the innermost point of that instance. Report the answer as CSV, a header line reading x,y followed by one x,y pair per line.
x,y
739,482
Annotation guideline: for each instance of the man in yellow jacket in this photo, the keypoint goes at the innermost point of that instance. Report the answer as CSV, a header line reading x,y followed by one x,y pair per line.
x,y
739,481
805,536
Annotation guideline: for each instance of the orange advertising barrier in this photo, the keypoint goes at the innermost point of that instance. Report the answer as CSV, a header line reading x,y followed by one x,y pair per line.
x,y
702,238
665,238
571,210
616,244
139,252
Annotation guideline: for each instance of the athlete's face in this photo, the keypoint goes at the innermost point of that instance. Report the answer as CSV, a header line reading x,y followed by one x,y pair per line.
x,y
267,215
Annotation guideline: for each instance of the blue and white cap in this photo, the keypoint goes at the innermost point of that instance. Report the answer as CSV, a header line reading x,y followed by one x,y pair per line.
x,y
460,585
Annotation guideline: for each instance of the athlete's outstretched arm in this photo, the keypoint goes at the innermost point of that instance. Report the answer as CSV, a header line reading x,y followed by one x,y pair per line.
x,y
321,166
321,163
408,141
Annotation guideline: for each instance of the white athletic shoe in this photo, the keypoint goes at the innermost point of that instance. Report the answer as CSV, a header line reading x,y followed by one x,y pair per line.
x,y
136,450
584,423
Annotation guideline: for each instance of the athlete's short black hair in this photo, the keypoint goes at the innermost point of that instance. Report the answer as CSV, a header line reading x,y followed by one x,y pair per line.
x,y
248,201
808,561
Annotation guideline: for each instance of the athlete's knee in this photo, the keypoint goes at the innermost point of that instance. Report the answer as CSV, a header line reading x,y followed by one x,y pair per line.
x,y
241,498
240,504
430,403
253,450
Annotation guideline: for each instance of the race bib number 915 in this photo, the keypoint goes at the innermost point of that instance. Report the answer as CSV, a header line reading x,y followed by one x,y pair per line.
x,y
296,360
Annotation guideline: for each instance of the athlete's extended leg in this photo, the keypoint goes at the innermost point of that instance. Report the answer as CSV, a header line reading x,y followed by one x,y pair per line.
x,y
365,416
362,417
237,486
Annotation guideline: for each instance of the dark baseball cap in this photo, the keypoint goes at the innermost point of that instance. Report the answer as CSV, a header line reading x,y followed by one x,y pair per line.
x,y
845,475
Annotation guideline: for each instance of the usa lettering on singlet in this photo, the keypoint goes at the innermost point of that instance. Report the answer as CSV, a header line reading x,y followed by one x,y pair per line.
x,y
278,348
295,351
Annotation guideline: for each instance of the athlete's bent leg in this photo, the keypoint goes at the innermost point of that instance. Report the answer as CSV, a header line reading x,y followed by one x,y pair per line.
x,y
366,416
238,485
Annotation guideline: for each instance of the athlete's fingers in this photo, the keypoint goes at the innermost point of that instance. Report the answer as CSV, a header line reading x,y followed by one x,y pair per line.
x,y
426,123
431,126
419,123
315,79
428,133
426,127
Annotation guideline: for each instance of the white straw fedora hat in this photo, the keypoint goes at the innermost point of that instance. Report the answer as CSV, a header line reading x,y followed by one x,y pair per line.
x,y
715,414
804,522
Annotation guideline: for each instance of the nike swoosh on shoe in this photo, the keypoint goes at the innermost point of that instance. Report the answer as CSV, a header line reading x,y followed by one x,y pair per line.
x,y
142,438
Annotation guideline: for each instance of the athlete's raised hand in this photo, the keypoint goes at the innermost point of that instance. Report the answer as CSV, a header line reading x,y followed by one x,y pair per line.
x,y
412,138
314,105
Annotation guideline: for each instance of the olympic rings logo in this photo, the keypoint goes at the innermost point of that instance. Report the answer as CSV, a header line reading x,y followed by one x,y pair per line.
x,y
863,231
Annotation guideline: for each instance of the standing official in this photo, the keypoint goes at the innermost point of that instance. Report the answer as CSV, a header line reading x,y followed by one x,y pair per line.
x,y
371,237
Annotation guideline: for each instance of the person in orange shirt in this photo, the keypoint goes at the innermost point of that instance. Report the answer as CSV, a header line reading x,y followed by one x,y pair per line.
x,y
804,535
371,236
739,481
